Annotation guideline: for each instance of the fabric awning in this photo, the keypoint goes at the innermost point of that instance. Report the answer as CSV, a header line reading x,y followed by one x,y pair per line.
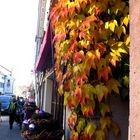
x,y
45,51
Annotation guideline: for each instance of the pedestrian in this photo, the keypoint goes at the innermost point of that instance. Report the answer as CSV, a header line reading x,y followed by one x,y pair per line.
x,y
0,110
12,112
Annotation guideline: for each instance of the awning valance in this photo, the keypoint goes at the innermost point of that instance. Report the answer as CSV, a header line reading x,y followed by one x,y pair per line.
x,y
45,51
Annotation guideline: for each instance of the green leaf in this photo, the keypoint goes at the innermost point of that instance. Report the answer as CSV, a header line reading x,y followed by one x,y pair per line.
x,y
101,91
81,124
104,108
113,85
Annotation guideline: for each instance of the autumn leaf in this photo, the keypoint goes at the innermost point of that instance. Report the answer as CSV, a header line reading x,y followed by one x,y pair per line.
x,y
105,122
89,62
81,125
66,98
126,20
112,25
104,108
88,91
90,129
72,119
59,36
74,135
100,135
78,93
113,85
81,78
87,108
115,128
104,72
61,90
113,58
101,91
127,39
78,57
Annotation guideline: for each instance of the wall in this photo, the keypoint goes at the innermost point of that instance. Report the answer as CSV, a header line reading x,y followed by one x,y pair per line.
x,y
120,113
134,70
1,83
47,96
9,83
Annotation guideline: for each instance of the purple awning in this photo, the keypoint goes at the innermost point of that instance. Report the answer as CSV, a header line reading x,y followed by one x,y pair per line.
x,y
45,51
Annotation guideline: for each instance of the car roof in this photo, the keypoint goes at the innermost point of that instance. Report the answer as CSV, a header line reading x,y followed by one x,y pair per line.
x,y
5,96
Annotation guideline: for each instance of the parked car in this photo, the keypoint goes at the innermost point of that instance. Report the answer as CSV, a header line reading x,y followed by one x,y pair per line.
x,y
5,101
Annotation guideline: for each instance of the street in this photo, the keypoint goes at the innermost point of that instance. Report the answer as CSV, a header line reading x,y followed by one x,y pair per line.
x,y
6,133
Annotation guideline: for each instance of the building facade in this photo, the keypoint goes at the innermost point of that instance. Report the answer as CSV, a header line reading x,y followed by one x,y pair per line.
x,y
6,81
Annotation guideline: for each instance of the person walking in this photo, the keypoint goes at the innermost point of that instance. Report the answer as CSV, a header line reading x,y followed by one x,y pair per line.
x,y
0,112
0,109
12,112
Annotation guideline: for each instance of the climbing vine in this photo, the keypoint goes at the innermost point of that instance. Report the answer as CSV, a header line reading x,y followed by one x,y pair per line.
x,y
91,40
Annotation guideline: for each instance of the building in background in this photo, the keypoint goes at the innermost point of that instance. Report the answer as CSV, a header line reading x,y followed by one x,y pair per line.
x,y
6,81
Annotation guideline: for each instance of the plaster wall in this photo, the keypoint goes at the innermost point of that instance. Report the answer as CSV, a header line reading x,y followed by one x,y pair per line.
x,y
134,119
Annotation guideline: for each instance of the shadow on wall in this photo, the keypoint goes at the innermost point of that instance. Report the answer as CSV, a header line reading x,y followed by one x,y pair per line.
x,y
120,114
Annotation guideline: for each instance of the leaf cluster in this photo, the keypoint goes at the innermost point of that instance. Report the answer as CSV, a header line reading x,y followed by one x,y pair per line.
x,y
91,40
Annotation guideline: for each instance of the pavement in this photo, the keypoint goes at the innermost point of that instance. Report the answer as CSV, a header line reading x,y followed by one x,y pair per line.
x,y
6,133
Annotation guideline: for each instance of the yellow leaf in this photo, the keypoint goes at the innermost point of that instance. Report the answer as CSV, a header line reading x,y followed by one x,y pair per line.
x,y
66,96
112,26
60,89
124,30
127,40
105,122
90,129
106,25
126,20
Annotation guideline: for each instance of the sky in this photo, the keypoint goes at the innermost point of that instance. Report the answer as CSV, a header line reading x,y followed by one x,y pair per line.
x,y
18,26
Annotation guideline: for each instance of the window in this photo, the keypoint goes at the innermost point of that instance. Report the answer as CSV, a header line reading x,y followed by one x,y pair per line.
x,y
1,85
8,83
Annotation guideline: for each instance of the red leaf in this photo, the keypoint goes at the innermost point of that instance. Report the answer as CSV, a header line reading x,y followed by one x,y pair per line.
x,y
78,57
59,37
104,72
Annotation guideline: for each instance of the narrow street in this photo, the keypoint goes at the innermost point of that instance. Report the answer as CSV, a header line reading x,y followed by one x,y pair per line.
x,y
6,133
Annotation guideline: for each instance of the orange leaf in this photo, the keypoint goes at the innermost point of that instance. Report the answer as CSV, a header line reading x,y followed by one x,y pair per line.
x,y
78,93
72,119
